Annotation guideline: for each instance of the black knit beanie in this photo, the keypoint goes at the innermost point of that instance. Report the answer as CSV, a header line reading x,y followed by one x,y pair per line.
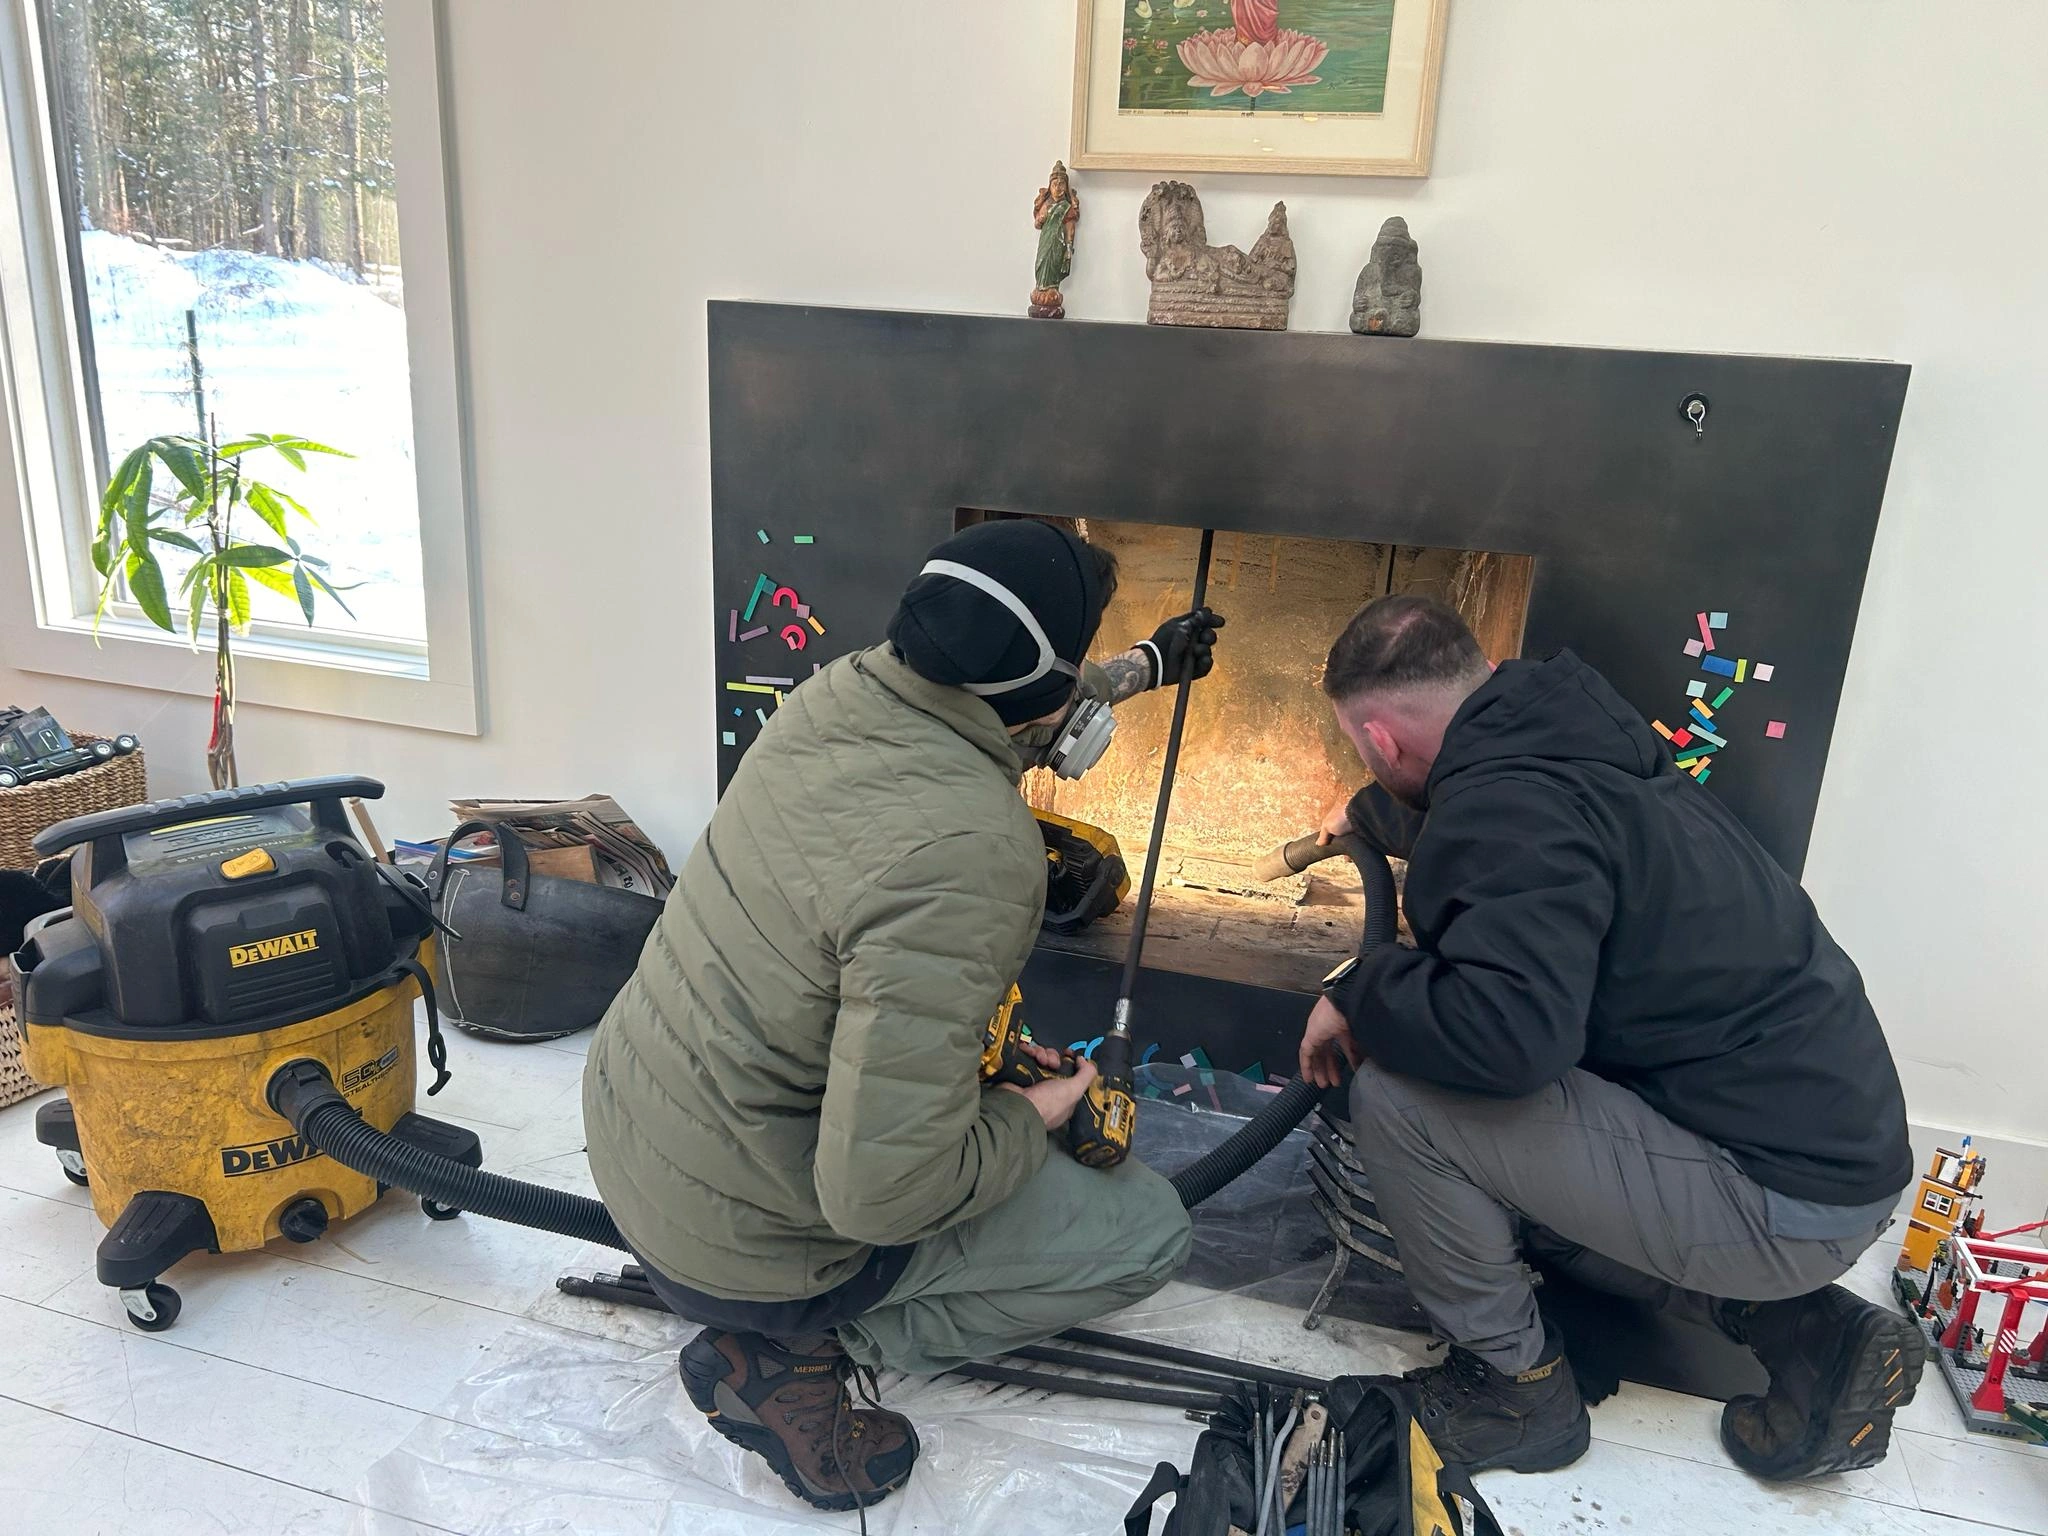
x,y
954,633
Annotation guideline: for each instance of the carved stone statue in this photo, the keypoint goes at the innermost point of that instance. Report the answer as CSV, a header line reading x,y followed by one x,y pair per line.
x,y
1196,283
1388,299
1055,212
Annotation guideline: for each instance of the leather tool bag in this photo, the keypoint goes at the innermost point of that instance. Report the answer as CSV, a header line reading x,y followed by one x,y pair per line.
x,y
539,956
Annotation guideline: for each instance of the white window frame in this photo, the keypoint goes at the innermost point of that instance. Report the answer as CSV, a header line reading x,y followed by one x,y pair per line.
x,y
46,474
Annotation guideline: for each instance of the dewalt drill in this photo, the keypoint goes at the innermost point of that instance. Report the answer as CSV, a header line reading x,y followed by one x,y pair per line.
x,y
1099,1135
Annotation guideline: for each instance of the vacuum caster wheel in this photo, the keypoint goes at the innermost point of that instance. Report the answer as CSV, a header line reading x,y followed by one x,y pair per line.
x,y
437,1210
73,1166
153,1308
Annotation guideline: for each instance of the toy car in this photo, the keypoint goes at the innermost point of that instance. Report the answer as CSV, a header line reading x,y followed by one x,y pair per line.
x,y
34,746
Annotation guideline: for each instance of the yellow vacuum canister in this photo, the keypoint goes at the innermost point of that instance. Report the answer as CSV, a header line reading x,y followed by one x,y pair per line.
x,y
210,941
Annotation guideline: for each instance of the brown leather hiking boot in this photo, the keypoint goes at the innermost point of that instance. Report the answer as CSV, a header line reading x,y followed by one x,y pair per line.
x,y
787,1402
1839,1368
1478,1417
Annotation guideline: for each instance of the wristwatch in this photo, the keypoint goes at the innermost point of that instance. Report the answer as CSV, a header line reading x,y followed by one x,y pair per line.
x,y
1340,973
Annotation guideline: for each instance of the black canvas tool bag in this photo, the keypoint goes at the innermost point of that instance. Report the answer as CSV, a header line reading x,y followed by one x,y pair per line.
x,y
1395,1483
538,956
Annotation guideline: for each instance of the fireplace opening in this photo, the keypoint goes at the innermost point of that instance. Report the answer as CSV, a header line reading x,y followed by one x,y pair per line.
x,y
1263,757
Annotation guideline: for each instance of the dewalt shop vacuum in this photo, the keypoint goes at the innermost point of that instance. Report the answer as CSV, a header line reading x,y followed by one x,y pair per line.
x,y
211,941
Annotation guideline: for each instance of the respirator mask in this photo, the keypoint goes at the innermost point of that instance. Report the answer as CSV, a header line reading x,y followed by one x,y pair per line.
x,y
1074,743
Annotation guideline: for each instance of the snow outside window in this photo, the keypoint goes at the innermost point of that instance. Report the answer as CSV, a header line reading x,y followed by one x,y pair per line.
x,y
231,216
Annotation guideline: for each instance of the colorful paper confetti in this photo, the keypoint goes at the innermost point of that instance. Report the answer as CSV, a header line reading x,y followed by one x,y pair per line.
x,y
1775,730
1693,648
1761,672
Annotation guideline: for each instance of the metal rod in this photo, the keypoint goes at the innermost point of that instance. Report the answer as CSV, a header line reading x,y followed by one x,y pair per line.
x,y
598,1290
1134,1370
1083,1386
1244,1369
1141,913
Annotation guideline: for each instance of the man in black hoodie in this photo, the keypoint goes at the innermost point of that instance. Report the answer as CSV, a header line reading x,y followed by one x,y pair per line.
x,y
1623,1043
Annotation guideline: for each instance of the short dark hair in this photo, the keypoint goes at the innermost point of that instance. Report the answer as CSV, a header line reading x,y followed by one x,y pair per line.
x,y
1105,571
1403,641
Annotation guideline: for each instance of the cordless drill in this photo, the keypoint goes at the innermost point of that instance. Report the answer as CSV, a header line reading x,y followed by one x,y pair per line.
x,y
1099,1134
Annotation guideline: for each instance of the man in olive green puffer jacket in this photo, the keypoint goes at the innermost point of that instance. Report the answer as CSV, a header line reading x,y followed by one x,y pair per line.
x,y
783,1107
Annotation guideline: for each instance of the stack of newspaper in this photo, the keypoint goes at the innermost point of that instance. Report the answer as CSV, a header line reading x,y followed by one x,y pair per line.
x,y
625,858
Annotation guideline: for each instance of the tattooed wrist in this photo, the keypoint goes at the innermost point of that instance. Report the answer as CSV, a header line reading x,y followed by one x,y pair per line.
x,y
1129,674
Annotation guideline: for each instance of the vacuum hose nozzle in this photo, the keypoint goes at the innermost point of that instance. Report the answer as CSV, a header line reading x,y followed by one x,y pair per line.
x,y
304,1093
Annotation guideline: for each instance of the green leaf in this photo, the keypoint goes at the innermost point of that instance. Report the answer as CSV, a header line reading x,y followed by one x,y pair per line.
x,y
176,540
178,456
268,506
238,599
135,508
115,497
275,577
304,589
289,454
199,592
323,584
200,567
103,546
307,445
240,446
146,582
246,556
294,503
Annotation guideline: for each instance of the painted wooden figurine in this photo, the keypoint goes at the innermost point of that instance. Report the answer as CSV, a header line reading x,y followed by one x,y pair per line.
x,y
1055,212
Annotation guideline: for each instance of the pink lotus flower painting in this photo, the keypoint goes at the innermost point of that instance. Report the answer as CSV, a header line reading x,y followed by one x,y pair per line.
x,y
1327,57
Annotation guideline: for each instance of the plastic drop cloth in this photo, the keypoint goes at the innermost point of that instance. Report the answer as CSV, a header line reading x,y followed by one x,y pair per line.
x,y
574,1421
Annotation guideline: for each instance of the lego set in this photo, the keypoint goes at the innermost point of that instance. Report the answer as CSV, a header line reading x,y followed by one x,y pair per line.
x,y
1950,1271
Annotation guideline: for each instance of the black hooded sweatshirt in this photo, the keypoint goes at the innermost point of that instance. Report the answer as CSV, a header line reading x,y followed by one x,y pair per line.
x,y
1579,901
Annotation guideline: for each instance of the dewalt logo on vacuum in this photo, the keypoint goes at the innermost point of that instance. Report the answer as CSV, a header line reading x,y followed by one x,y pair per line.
x,y
299,943
266,1156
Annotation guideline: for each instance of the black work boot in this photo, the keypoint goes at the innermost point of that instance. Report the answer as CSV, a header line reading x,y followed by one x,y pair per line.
x,y
787,1402
1479,1417
1839,1367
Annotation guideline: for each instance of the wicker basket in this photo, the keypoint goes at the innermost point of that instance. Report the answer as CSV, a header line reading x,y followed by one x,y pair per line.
x,y
15,1083
28,808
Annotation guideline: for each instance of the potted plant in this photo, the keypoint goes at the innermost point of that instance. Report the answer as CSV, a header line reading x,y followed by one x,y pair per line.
x,y
184,493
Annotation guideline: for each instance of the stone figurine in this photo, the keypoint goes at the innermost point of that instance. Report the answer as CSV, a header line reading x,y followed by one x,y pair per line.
x,y
1196,283
1054,212
1388,299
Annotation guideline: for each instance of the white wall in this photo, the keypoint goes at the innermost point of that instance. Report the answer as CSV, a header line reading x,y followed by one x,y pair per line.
x,y
1842,177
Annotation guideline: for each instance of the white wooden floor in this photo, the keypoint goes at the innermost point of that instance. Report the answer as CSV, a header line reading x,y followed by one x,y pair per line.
x,y
359,1384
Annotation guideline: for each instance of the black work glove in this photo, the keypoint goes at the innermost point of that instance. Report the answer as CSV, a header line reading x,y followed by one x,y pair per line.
x,y
1183,646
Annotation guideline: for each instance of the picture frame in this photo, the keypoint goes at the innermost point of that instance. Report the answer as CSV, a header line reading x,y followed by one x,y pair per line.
x,y
1280,87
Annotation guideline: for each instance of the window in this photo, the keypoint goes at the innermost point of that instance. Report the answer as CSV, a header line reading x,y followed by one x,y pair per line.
x,y
231,216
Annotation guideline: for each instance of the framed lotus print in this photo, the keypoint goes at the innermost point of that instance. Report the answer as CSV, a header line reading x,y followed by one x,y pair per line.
x,y
1315,87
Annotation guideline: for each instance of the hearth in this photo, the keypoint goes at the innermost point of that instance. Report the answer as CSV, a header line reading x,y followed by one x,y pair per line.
x,y
1560,495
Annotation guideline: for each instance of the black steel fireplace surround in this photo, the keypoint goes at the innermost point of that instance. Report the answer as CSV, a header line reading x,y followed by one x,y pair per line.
x,y
845,443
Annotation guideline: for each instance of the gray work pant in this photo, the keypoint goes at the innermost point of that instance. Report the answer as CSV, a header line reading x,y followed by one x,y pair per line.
x,y
1582,1174
1072,1245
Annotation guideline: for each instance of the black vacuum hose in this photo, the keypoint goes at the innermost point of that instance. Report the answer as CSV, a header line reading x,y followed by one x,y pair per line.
x,y
1269,1127
305,1095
